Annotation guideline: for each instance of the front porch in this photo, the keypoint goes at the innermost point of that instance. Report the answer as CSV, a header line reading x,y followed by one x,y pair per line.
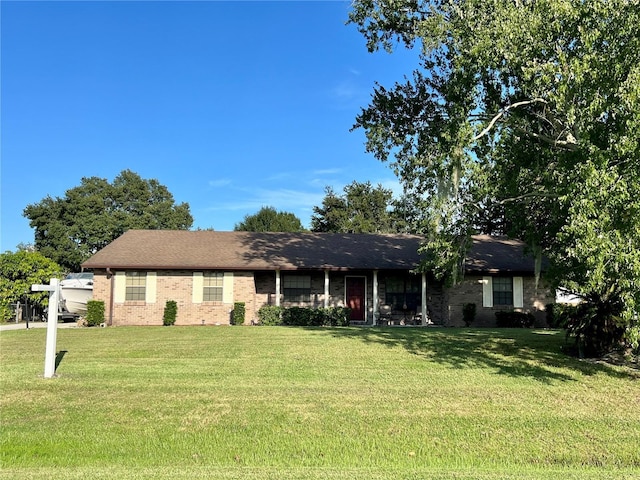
x,y
387,298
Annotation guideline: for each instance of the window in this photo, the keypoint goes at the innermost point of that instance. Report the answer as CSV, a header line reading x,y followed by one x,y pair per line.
x,y
297,288
502,291
212,286
136,286
403,293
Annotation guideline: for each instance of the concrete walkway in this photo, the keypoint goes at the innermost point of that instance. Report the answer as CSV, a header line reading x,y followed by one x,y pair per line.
x,y
23,325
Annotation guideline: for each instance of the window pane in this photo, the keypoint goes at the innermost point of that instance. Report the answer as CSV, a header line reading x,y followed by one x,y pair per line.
x,y
212,289
297,288
136,286
502,291
401,292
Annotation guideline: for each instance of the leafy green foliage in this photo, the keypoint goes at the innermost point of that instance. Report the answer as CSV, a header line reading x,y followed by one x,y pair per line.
x,y
95,313
270,315
304,316
362,208
72,228
468,313
520,118
18,271
268,219
170,313
508,319
238,313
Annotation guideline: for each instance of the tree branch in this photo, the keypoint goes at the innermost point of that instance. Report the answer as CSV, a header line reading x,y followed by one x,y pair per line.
x,y
503,112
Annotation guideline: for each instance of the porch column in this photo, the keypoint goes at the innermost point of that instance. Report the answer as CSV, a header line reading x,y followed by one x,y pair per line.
x,y
376,307
424,299
326,289
277,287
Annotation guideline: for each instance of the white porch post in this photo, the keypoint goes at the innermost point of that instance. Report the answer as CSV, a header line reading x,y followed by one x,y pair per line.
x,y
376,307
277,287
326,289
424,299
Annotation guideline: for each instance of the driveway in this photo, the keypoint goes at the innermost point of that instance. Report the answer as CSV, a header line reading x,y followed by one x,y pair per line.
x,y
23,325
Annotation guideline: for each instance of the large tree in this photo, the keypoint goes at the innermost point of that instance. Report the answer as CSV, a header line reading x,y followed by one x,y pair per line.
x,y
362,208
72,228
268,219
530,110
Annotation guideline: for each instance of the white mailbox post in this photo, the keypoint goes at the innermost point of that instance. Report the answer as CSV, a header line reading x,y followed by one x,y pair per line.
x,y
52,324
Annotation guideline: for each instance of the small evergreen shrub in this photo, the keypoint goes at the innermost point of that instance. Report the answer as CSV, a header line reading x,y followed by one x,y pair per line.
x,y
238,313
170,313
304,316
298,316
95,313
336,316
270,315
506,319
468,313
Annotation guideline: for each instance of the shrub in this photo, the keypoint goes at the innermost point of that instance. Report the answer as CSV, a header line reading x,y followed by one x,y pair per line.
x,y
298,316
468,313
304,316
238,313
560,314
170,313
336,316
95,312
596,327
506,319
270,315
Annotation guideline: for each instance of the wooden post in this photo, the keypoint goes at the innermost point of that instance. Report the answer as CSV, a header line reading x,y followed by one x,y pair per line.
x,y
52,324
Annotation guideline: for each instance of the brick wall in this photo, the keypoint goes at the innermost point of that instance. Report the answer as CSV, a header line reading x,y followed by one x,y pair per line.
x,y
470,291
177,286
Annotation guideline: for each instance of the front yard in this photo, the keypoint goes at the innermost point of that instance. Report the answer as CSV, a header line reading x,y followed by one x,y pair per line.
x,y
331,403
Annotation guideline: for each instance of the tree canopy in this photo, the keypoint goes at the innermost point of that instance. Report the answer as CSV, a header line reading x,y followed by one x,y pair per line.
x,y
521,117
362,208
268,219
72,228
20,270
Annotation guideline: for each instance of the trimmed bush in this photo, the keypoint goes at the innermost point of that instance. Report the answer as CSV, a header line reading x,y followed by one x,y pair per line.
x,y
507,319
336,316
468,313
238,313
270,315
304,316
170,313
95,313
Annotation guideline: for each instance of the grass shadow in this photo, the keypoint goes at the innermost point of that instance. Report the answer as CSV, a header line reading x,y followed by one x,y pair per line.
x,y
512,352
59,356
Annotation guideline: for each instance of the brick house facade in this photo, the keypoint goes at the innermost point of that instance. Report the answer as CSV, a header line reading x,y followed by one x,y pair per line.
x,y
206,272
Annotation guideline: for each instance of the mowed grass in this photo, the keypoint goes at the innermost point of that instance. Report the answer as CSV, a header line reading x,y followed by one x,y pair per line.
x,y
285,403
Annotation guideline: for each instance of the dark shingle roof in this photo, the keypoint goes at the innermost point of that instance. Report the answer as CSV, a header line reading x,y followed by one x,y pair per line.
x,y
494,254
181,249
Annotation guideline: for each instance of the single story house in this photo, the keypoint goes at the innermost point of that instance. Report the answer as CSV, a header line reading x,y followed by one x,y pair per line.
x,y
205,272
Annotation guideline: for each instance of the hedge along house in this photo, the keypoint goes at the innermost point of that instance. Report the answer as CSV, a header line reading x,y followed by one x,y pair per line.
x,y
205,272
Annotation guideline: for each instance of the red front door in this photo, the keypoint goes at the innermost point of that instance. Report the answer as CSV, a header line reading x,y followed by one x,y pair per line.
x,y
355,292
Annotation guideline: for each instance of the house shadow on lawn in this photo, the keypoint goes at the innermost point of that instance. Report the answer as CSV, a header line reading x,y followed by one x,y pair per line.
x,y
517,353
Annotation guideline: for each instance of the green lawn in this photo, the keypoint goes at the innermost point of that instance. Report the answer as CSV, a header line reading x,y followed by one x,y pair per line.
x,y
290,403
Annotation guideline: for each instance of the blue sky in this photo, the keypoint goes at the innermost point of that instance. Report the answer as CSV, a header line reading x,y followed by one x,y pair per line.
x,y
231,105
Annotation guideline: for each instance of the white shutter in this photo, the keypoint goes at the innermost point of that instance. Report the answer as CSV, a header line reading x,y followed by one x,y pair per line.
x,y
151,287
487,292
120,287
518,293
227,288
198,287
